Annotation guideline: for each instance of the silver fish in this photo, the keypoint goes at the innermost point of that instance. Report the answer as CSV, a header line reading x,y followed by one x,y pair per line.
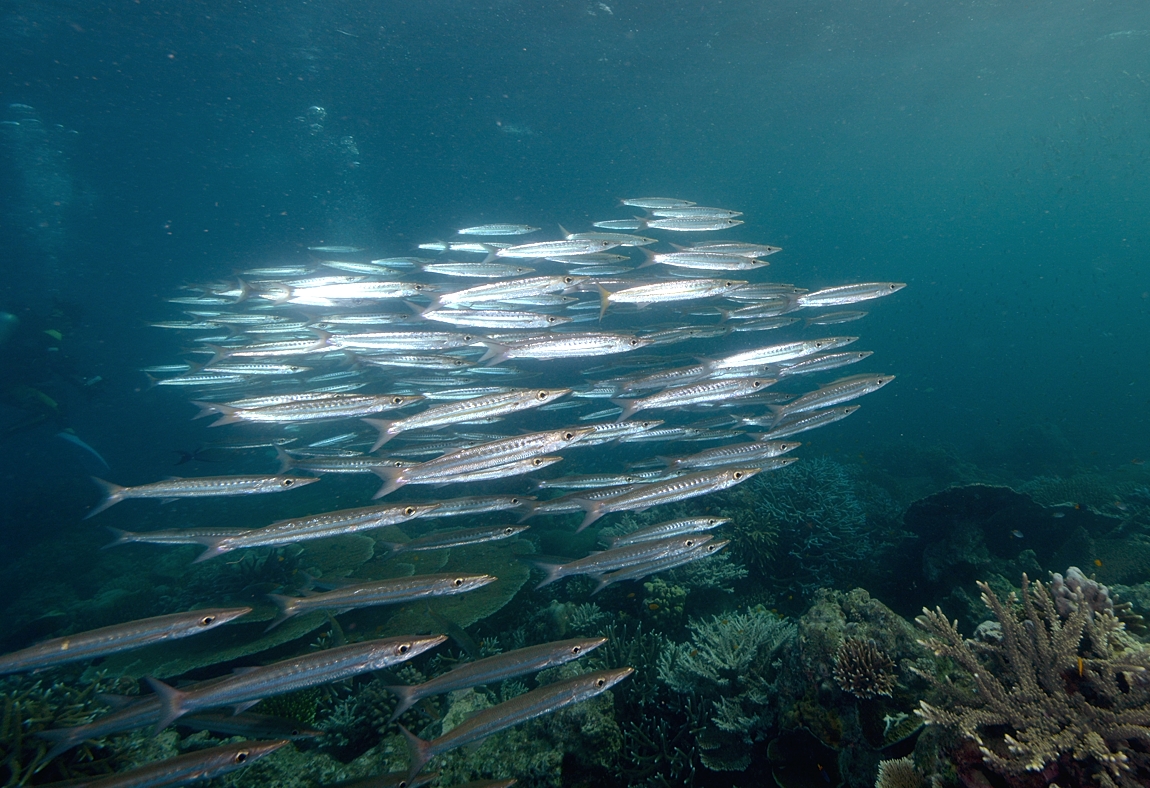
x,y
455,537
499,229
241,690
339,406
806,421
669,528
199,765
655,203
318,526
692,224
665,292
542,249
512,712
681,488
694,394
563,346
737,454
198,487
495,669
618,558
117,638
639,571
498,404
848,294
378,592
477,270
841,390
786,351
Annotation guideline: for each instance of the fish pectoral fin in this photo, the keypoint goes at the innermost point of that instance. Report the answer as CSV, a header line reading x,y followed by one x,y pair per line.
x,y
168,500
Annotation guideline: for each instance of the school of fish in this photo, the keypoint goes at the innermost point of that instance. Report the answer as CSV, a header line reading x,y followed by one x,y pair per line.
x,y
470,379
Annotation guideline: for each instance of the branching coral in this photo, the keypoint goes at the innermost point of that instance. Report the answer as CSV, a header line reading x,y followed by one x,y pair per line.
x,y
863,669
730,664
1058,695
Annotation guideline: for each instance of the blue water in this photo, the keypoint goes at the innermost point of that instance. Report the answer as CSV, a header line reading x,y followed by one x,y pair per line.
x,y
993,155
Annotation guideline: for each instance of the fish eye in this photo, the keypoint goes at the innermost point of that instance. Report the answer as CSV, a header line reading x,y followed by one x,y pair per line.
x,y
690,543
568,279
576,649
568,435
404,649
288,482
514,500
419,287
737,474
457,582
396,400
294,368
207,621
600,682
295,732
634,342
757,383
241,756
541,395
409,510
509,530
537,462
551,319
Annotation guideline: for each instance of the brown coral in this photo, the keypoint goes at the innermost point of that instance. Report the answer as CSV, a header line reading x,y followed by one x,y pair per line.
x,y
863,670
1061,696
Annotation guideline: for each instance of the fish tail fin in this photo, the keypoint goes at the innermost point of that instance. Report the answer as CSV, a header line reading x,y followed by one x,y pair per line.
x,y
122,537
287,607
287,462
552,572
383,425
642,221
113,494
594,510
496,352
416,309
152,380
185,456
391,481
419,752
63,740
777,413
604,300
228,414
602,581
630,408
171,702
405,699
647,253
221,353
212,548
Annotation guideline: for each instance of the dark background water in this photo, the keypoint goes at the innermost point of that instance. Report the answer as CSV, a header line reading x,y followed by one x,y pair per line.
x,y
991,154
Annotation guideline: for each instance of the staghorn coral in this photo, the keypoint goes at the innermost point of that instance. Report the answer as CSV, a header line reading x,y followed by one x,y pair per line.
x,y
863,669
1065,696
730,664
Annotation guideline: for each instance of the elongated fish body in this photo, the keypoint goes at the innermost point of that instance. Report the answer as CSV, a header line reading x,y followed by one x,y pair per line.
x,y
836,318
549,248
836,393
499,229
621,239
738,454
620,557
319,526
704,261
336,249
118,637
511,288
775,354
361,464
504,470
477,270
479,504
655,203
848,294
806,421
173,536
420,361
695,211
574,502
493,318
332,294
593,481
670,528
564,346
822,362
692,224
201,379
519,709
247,724
288,347
639,571
621,431
678,489
308,670
198,487
261,369
378,592
668,377
402,340
336,406
499,404
667,292
192,767
603,258
736,247
694,394
456,537
492,670
620,224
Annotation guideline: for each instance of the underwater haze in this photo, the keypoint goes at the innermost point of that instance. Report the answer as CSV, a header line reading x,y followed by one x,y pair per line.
x,y
993,155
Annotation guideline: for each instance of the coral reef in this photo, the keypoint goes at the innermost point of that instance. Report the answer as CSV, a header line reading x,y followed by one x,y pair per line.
x,y
1092,490
1064,696
730,664
812,524
863,670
